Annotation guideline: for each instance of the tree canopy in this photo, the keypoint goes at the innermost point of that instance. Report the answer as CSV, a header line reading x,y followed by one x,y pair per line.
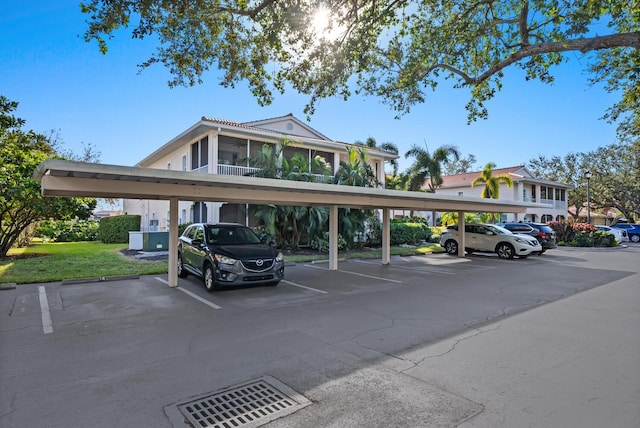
x,y
615,181
398,50
21,202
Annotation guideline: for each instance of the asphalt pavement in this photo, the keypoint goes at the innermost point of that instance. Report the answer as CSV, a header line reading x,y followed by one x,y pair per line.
x,y
433,341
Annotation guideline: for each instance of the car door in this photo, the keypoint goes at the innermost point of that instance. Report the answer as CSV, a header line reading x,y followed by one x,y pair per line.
x,y
472,237
197,249
485,238
185,243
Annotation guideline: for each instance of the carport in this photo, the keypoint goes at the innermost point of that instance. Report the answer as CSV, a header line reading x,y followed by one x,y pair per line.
x,y
81,179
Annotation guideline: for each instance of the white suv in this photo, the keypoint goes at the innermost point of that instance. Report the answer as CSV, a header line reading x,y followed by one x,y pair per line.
x,y
489,238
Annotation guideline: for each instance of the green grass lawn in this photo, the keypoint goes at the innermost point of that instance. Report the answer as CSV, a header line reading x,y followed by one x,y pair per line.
x,y
48,262
65,260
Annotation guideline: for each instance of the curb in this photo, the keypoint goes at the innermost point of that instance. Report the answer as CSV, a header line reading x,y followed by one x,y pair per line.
x,y
8,286
98,279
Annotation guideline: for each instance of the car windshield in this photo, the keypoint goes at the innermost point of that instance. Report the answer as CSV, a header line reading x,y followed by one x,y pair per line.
x,y
498,230
232,236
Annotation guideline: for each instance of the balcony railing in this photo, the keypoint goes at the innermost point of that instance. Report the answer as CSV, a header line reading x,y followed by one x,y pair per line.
x,y
558,205
240,171
236,170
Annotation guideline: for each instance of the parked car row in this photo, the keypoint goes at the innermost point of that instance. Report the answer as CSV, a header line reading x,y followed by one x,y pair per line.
x,y
633,230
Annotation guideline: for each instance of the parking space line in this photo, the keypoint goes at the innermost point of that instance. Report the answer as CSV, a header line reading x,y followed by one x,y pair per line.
x,y
47,324
429,269
304,286
195,296
356,273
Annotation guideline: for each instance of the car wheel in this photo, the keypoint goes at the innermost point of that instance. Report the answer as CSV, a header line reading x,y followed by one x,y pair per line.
x,y
634,238
451,247
182,273
208,278
505,250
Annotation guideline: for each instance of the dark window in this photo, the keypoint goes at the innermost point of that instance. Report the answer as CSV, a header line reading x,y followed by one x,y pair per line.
x,y
200,153
232,151
199,212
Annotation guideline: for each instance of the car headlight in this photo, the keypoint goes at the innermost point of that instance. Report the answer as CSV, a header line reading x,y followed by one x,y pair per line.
x,y
522,241
279,257
225,259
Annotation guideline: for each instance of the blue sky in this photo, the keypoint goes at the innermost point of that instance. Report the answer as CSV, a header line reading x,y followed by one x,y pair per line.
x,y
64,83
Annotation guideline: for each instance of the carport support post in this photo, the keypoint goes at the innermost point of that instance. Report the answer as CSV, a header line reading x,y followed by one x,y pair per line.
x,y
173,242
386,236
461,235
333,237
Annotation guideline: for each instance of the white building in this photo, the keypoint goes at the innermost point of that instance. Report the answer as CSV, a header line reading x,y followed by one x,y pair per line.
x,y
526,188
215,146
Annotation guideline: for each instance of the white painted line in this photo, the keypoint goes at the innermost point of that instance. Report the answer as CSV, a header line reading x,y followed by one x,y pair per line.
x,y
47,325
195,296
428,269
304,286
356,273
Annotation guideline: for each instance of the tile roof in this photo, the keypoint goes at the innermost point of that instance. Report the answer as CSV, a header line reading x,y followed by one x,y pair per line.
x,y
467,178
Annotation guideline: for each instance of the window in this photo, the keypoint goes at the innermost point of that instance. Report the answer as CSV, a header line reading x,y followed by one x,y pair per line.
x,y
199,234
200,153
199,212
547,218
231,150
543,192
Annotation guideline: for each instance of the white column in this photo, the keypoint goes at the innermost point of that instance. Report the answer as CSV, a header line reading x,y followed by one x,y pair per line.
x,y
386,236
173,242
461,235
213,148
333,237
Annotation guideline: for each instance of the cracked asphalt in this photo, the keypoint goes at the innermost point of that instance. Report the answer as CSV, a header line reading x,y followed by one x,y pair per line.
x,y
429,341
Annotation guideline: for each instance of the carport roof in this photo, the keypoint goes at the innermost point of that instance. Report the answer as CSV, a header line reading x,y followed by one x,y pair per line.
x,y
69,178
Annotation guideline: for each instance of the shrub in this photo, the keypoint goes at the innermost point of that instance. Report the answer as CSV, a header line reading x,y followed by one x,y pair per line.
x,y
409,233
322,244
401,232
182,227
115,230
68,230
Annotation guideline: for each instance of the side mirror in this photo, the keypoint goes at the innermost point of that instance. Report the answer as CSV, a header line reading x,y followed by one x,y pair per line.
x,y
196,242
488,232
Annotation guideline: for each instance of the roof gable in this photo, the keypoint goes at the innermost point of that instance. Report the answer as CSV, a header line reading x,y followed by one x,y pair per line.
x,y
287,124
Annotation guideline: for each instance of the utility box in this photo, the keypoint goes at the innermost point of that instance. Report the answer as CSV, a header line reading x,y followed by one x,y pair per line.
x,y
149,241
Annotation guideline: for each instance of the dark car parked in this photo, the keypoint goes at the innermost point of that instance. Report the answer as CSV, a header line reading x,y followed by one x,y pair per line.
x,y
228,254
633,230
543,232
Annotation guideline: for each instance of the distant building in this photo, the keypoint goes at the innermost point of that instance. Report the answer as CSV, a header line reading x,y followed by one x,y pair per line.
x,y
526,188
216,146
97,215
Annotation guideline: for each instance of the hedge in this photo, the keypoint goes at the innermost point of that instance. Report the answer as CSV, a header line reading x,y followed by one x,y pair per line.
x,y
115,230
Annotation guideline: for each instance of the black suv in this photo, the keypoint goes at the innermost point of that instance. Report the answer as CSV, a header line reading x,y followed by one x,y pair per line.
x,y
228,254
543,232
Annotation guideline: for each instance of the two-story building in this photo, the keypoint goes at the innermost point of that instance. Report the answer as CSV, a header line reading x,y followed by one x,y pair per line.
x,y
526,188
215,146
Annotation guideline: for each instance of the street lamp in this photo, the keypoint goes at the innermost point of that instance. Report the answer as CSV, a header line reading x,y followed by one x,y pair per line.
x,y
588,176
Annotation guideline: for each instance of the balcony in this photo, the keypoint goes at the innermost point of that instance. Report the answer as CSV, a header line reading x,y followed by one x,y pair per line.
x,y
243,171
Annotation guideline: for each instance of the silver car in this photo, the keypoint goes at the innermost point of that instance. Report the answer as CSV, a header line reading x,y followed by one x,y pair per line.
x,y
489,238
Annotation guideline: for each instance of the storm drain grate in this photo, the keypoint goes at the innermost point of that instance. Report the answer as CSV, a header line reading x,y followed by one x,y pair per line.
x,y
248,405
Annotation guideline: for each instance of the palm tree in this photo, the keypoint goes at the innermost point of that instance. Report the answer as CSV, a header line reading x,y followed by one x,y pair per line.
x,y
492,183
387,147
356,170
428,165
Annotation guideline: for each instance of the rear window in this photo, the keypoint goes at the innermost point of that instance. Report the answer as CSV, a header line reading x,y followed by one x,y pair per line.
x,y
543,228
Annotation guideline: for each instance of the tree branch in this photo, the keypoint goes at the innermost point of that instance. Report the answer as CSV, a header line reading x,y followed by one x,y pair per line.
x,y
631,40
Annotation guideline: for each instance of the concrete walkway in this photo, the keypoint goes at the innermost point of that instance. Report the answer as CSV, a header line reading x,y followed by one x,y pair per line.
x,y
571,363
